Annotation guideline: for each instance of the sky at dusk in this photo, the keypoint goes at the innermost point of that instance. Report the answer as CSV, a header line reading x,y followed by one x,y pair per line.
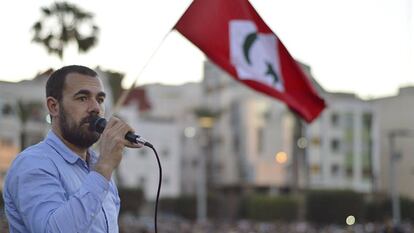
x,y
360,46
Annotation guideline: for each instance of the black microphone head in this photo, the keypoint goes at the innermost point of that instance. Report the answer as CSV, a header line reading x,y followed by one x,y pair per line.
x,y
97,124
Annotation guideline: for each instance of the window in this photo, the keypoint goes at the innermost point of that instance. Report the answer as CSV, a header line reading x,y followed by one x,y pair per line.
x,y
349,171
7,110
349,164
165,152
194,163
335,170
315,169
166,180
236,143
143,152
367,121
335,145
7,142
366,173
315,141
142,181
35,111
335,119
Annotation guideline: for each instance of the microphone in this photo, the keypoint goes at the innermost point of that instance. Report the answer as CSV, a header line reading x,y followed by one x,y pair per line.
x,y
98,124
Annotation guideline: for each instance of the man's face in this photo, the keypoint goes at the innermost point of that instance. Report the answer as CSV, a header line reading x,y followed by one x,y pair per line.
x,y
82,98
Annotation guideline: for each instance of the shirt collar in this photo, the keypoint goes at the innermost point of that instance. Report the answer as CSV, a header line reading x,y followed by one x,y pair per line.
x,y
67,154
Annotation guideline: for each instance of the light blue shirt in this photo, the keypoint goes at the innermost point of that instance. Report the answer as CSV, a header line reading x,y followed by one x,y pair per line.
x,y
49,188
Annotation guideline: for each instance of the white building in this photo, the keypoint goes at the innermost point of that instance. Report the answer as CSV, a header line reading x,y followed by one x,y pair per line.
x,y
250,131
139,168
170,125
30,95
20,127
10,128
343,149
252,143
396,116
340,146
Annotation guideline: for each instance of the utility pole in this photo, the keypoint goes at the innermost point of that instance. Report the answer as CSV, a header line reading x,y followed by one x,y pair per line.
x,y
202,178
395,202
299,162
201,188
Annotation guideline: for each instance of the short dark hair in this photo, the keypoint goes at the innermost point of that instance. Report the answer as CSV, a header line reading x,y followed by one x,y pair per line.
x,y
56,81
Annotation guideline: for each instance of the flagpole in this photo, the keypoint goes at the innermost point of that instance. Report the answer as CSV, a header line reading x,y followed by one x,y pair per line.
x,y
126,92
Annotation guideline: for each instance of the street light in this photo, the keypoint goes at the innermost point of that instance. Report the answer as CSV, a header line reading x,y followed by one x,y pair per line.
x,y
206,122
206,119
281,157
394,157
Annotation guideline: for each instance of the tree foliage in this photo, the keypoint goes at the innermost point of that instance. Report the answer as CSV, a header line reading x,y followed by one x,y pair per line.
x,y
62,23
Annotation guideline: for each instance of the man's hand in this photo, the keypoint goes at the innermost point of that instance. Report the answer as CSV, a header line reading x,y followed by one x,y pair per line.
x,y
111,146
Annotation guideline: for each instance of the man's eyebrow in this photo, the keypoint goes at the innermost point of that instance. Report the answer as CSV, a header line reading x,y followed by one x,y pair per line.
x,y
82,92
101,94
87,92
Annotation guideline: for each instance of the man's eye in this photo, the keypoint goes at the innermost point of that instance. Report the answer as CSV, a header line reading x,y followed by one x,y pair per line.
x,y
101,100
82,98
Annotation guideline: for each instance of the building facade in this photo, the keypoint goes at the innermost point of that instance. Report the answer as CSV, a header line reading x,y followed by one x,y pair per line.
x,y
170,125
261,144
396,120
22,119
343,149
252,135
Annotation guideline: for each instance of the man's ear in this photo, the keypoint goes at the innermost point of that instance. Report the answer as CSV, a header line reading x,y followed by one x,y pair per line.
x,y
53,106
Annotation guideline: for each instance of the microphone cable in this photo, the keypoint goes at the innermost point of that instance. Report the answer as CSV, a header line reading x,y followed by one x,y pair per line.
x,y
159,184
98,124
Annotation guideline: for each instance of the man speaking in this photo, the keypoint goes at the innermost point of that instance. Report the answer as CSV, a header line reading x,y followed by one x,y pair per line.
x,y
60,184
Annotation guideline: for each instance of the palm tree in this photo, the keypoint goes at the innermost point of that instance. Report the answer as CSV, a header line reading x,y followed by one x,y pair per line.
x,y
63,23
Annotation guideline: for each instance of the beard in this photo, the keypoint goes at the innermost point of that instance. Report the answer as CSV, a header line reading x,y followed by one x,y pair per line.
x,y
77,134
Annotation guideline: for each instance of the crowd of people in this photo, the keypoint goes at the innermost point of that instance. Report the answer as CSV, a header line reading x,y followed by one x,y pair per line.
x,y
133,224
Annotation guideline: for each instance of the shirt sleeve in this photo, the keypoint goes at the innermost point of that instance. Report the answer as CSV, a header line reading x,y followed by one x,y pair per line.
x,y
46,207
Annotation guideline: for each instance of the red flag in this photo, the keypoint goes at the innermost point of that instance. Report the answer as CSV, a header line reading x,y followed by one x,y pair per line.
x,y
232,34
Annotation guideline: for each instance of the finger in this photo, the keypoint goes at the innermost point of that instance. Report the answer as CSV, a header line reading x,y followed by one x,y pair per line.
x,y
121,130
125,130
113,121
133,145
115,125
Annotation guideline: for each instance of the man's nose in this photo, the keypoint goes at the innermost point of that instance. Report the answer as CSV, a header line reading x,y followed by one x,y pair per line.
x,y
94,106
